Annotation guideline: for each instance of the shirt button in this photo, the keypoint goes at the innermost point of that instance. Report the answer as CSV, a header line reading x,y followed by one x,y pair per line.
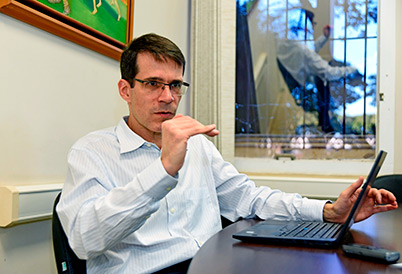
x,y
148,145
172,210
168,188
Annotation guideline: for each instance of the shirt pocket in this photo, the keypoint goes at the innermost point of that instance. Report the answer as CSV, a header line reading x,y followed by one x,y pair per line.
x,y
202,213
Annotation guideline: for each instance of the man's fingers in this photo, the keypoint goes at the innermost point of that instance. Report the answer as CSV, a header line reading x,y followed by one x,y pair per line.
x,y
191,127
210,130
382,196
198,128
379,198
353,187
385,197
383,208
212,133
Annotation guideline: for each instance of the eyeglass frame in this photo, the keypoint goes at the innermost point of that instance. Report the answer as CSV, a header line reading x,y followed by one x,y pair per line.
x,y
187,85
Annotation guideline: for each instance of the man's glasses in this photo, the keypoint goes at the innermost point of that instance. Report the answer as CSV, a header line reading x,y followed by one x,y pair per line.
x,y
176,88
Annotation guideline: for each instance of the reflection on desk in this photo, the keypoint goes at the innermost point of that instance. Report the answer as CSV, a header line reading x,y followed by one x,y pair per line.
x,y
223,254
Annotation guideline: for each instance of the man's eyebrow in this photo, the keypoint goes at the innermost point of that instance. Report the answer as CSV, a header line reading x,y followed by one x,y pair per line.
x,y
162,80
153,79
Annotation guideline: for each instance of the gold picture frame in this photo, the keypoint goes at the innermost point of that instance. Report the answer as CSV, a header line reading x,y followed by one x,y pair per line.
x,y
45,17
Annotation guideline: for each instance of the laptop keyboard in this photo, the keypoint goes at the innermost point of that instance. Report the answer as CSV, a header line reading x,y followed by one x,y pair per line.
x,y
310,230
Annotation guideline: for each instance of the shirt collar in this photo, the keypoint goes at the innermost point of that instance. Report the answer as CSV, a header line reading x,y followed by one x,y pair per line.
x,y
128,139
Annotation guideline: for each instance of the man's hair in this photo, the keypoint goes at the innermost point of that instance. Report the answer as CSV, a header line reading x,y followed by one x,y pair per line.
x,y
160,47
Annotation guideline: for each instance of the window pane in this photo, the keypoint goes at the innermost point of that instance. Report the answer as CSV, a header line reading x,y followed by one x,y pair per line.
x,y
300,25
339,20
356,18
372,18
355,99
277,16
293,102
339,51
371,104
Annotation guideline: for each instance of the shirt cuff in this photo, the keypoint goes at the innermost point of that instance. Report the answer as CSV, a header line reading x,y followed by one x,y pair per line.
x,y
156,182
312,210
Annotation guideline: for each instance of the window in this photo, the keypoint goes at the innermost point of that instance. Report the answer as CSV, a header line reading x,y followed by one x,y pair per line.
x,y
306,79
213,77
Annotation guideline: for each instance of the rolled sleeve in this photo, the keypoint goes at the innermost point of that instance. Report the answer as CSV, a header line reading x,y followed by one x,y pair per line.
x,y
156,182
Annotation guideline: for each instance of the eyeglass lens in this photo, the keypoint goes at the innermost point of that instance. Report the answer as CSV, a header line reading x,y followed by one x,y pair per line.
x,y
177,88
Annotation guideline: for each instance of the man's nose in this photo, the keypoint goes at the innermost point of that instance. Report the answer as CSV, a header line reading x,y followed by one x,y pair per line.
x,y
166,95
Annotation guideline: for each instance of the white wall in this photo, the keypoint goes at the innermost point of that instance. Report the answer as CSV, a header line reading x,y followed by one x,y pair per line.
x,y
398,97
390,84
52,92
172,20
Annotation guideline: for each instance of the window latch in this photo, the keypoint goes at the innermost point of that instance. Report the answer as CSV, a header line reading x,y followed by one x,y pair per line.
x,y
284,155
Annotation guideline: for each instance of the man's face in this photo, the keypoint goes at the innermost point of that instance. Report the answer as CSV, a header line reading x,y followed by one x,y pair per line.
x,y
148,110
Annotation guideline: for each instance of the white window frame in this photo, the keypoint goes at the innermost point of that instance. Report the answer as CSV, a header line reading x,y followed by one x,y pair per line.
x,y
213,77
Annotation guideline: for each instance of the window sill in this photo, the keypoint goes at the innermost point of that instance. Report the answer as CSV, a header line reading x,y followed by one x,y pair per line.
x,y
295,168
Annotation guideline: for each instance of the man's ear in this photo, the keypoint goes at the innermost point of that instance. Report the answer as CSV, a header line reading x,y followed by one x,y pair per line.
x,y
124,90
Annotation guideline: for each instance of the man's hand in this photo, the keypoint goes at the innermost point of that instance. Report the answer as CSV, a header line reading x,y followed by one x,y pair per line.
x,y
377,200
175,133
327,30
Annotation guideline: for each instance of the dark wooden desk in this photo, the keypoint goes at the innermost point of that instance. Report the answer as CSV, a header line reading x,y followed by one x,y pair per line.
x,y
222,254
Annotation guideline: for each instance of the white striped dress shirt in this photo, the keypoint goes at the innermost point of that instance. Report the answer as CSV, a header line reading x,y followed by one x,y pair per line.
x,y
124,214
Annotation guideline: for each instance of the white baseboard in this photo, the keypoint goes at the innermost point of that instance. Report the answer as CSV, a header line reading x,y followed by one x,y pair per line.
x,y
20,204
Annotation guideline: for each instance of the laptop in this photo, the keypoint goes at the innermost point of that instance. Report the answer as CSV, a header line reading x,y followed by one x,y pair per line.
x,y
318,234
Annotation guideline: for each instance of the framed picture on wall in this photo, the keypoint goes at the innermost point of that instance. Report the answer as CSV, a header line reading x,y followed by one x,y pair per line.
x,y
104,26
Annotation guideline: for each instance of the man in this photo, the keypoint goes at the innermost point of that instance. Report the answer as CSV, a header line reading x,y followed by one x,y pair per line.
x,y
301,65
145,195
301,61
66,6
